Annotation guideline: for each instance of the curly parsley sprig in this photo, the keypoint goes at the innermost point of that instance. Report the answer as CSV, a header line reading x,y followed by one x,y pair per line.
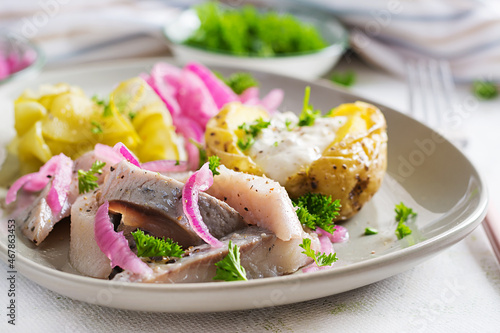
x,y
87,180
149,246
317,210
321,259
229,268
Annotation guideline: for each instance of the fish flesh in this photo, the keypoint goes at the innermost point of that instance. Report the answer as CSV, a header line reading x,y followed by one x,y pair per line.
x,y
260,200
84,253
152,202
262,255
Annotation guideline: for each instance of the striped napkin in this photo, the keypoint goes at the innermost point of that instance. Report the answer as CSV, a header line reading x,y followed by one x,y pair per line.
x,y
384,32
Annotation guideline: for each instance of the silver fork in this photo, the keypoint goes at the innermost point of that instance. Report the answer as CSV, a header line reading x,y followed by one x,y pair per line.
x,y
432,100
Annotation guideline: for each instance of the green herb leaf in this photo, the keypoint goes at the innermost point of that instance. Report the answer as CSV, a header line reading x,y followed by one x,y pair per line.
x,y
288,124
251,132
87,180
149,246
213,164
106,112
371,231
96,127
202,151
308,115
229,268
403,213
485,90
317,210
321,259
239,82
346,79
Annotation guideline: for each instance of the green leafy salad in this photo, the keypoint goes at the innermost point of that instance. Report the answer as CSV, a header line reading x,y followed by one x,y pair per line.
x,y
248,32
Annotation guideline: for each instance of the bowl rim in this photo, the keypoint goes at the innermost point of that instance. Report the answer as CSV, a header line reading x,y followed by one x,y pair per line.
x,y
36,65
342,43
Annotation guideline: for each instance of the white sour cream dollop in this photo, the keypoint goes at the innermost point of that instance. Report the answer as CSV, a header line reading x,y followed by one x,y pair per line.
x,y
281,152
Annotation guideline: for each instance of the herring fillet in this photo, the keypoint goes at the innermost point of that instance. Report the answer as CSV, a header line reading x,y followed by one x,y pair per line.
x,y
262,255
84,253
38,220
133,192
261,201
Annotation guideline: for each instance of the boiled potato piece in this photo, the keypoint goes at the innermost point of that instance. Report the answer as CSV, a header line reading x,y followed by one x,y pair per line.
x,y
350,168
61,119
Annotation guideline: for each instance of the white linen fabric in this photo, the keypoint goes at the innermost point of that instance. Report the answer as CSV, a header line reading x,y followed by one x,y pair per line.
x,y
385,32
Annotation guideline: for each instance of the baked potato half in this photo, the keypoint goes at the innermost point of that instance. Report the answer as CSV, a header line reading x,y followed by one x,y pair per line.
x,y
350,168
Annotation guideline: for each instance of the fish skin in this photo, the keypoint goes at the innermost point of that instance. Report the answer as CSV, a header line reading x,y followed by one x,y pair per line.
x,y
160,196
262,255
38,220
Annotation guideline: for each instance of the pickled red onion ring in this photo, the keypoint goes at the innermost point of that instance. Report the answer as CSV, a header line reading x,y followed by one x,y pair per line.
x,y
115,246
199,181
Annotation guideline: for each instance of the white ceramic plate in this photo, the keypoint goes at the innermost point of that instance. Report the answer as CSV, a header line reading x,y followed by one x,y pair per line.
x,y
426,172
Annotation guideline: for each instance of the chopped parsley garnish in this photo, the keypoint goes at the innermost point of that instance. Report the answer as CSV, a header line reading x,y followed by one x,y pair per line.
x,y
213,164
132,115
321,259
485,89
251,131
96,127
317,210
87,180
245,144
106,109
241,81
403,213
346,79
149,246
229,268
288,124
371,231
308,115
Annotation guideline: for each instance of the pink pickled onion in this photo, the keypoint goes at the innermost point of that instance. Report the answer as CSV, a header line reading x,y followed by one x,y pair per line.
x,y
122,149
120,152
201,180
165,81
59,168
18,184
61,181
165,166
340,234
107,154
221,93
190,129
272,100
115,246
195,99
251,93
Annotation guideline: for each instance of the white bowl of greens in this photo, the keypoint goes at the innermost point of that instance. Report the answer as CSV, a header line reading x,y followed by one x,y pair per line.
x,y
297,42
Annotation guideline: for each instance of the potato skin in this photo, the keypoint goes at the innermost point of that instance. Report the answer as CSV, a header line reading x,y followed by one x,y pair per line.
x,y
350,169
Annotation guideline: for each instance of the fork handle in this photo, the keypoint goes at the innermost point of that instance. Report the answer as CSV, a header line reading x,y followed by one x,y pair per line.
x,y
491,226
